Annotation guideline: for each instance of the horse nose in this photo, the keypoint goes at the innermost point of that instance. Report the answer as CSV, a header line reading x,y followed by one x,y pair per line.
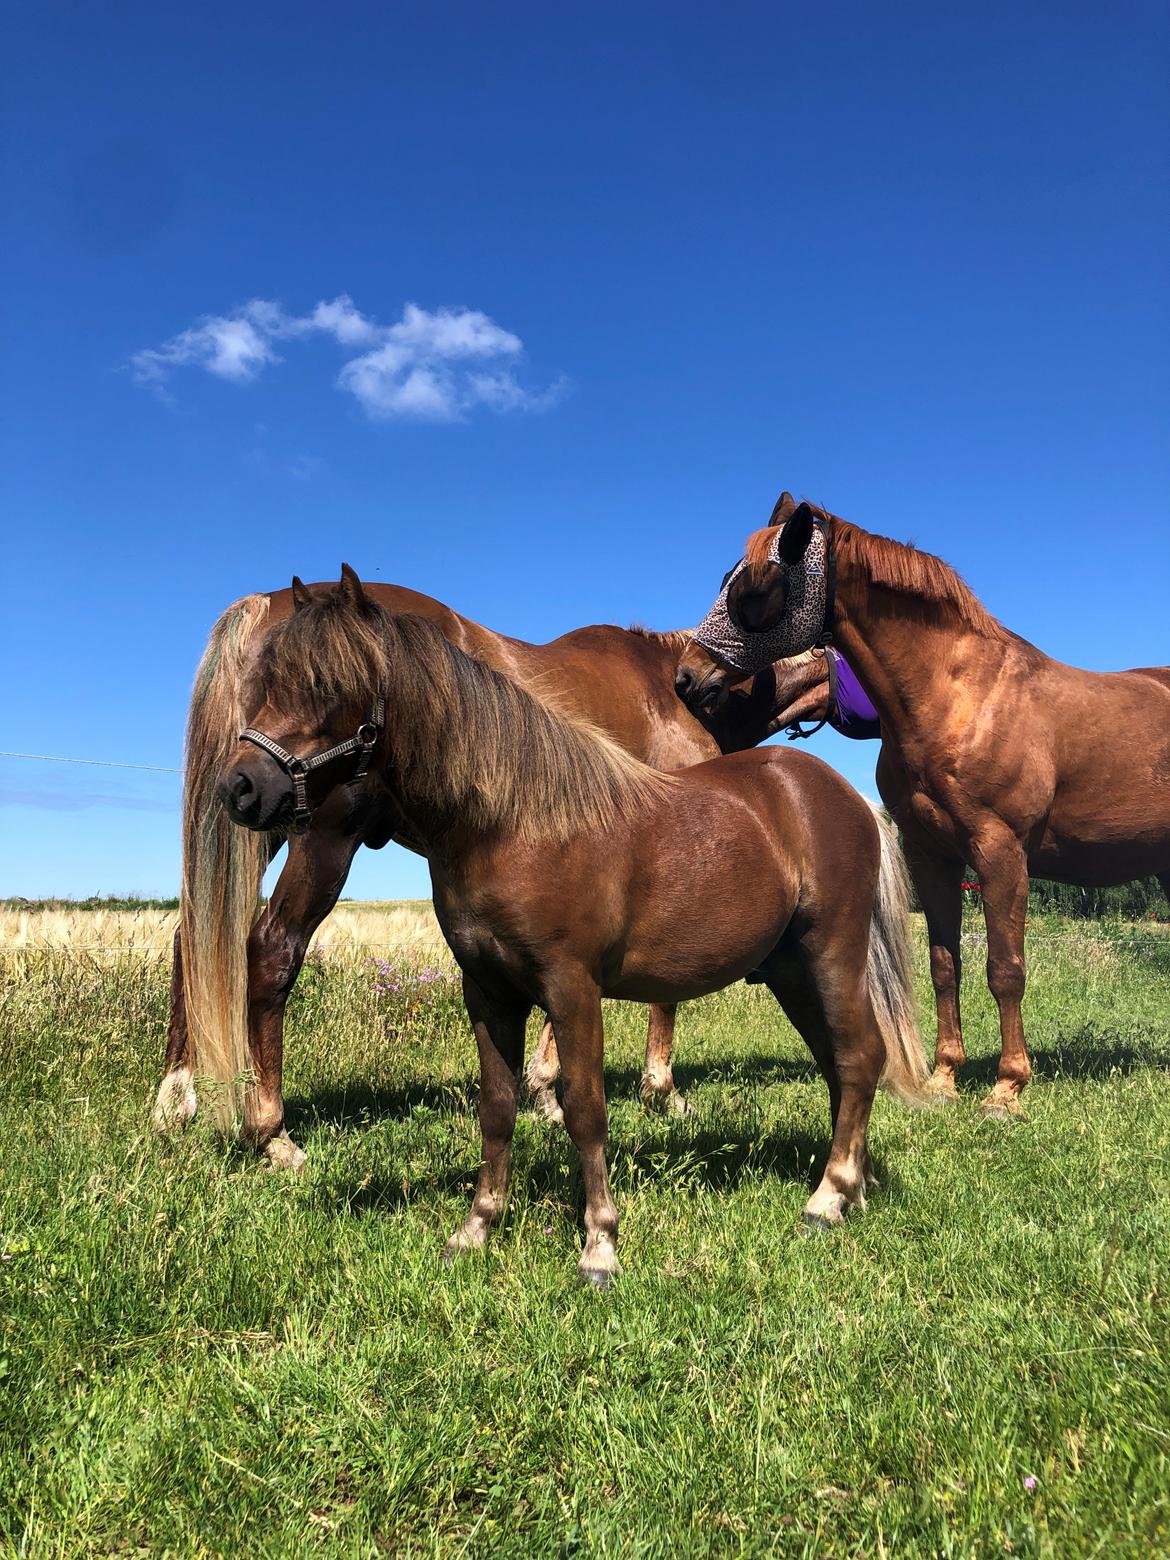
x,y
241,794
684,681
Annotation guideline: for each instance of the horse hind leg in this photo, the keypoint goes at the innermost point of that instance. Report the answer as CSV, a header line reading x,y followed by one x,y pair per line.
x,y
540,1076
938,881
1004,877
657,1088
838,1026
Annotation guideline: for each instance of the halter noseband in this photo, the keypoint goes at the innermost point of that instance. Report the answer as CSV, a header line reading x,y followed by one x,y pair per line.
x,y
798,733
299,769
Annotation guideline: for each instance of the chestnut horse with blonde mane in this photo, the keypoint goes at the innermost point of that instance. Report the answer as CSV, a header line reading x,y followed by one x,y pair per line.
x,y
233,972
992,753
766,860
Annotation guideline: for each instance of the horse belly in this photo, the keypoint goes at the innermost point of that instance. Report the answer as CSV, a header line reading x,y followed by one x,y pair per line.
x,y
704,915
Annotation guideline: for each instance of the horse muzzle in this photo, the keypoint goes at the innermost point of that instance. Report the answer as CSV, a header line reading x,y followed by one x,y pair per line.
x,y
255,793
702,693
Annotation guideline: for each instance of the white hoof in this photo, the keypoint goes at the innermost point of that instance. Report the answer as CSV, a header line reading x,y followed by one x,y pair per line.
x,y
283,1154
175,1103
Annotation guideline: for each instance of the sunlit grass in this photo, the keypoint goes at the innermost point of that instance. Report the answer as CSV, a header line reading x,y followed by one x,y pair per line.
x,y
201,1357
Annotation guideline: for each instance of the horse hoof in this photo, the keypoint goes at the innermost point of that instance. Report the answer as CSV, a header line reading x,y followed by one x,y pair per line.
x,y
600,1279
821,1221
941,1089
826,1209
996,1110
669,1101
175,1104
283,1154
545,1103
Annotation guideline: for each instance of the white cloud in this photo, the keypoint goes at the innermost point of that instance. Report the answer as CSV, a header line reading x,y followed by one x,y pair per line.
x,y
436,367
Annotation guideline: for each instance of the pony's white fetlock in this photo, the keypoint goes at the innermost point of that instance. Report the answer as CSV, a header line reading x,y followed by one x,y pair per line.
x,y
175,1103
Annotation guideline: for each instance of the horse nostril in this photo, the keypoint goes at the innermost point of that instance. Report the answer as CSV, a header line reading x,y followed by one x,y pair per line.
x,y
242,788
683,681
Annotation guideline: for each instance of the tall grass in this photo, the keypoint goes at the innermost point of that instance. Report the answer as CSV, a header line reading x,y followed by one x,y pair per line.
x,y
199,1357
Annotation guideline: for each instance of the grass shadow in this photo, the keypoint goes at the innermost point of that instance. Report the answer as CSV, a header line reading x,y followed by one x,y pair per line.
x,y
1078,1055
685,1159
357,1103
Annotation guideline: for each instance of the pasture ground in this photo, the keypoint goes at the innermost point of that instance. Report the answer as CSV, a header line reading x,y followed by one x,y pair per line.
x,y
199,1357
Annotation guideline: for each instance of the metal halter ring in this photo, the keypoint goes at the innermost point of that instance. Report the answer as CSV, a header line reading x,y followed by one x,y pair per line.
x,y
298,770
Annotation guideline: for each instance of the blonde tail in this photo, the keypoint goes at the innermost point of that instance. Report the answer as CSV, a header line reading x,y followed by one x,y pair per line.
x,y
891,974
222,867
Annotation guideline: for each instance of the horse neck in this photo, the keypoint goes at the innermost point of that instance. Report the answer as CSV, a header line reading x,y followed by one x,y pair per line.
x,y
905,660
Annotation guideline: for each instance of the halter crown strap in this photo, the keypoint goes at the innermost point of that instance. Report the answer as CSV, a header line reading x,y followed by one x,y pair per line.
x,y
298,769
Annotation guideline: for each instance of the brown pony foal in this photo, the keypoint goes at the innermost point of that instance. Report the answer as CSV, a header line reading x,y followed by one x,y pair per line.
x,y
564,871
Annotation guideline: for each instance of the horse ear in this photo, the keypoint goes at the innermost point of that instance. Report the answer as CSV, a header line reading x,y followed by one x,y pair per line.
x,y
785,505
300,593
797,534
350,586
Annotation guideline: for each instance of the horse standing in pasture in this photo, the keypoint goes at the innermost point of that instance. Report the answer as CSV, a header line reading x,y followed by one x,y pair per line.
x,y
564,870
233,973
992,752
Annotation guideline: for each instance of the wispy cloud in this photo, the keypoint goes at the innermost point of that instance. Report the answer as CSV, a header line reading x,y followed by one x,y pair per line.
x,y
82,801
435,367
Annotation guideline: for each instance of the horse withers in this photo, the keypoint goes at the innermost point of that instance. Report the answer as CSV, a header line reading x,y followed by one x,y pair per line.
x,y
516,804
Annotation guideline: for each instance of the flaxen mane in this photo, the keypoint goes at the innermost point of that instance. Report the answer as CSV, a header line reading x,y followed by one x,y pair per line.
x,y
468,739
676,639
895,566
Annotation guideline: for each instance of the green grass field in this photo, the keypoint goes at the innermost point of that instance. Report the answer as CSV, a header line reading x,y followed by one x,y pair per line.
x,y
201,1357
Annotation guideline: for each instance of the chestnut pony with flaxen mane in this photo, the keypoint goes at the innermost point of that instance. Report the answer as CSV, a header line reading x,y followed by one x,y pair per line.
x,y
234,969
992,752
510,799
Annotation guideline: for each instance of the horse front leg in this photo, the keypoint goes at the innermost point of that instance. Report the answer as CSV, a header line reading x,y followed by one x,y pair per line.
x,y
1003,874
175,1104
657,1075
307,889
938,883
499,1036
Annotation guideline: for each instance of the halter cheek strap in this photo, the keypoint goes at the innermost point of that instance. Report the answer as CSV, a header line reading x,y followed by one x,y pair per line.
x,y
796,732
363,743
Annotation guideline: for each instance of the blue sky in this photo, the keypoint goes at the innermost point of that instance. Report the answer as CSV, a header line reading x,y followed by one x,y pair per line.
x,y
909,261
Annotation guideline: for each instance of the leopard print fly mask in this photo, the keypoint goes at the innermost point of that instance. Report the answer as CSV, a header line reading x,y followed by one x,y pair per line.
x,y
801,624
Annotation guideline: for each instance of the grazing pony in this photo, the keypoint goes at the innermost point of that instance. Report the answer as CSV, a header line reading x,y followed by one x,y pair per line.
x,y
564,870
992,753
233,972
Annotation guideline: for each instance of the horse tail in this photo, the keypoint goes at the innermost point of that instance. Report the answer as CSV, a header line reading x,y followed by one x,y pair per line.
x,y
890,971
222,866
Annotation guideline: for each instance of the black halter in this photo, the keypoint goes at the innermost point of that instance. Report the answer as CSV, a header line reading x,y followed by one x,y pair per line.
x,y
299,769
796,732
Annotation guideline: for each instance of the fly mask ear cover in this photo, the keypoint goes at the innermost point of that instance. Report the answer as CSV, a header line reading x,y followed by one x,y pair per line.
x,y
800,627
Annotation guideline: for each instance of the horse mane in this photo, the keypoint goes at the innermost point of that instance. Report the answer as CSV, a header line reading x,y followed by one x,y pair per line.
x,y
900,567
673,638
469,738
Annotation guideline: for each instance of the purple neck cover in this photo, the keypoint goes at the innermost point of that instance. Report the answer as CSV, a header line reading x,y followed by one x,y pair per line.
x,y
852,714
